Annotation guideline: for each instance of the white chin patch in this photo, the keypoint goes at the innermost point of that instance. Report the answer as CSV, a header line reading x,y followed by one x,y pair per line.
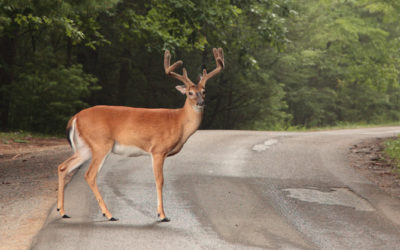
x,y
198,108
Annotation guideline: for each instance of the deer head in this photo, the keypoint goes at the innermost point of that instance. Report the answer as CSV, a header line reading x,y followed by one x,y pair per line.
x,y
195,93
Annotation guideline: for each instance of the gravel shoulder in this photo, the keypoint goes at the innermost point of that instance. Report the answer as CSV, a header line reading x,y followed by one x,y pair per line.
x,y
368,159
28,183
28,188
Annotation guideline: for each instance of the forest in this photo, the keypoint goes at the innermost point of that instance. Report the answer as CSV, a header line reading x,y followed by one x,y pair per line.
x,y
289,64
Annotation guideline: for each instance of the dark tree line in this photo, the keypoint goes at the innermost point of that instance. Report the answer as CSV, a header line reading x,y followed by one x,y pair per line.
x,y
288,63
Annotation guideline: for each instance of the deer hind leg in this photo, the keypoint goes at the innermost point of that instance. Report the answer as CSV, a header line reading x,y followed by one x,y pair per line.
x,y
158,163
98,159
64,168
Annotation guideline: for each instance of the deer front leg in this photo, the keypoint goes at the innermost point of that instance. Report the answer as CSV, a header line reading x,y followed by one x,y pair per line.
x,y
158,163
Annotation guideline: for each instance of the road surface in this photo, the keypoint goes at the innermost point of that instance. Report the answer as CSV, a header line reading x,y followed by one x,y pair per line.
x,y
235,190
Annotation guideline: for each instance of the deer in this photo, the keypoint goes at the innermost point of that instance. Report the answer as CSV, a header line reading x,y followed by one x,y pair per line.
x,y
98,131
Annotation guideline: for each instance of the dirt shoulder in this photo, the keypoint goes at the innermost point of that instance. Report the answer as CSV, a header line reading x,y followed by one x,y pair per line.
x,y
12,149
28,188
369,160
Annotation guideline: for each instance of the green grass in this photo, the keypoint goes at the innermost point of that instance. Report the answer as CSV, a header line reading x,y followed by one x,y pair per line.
x,y
21,136
343,126
392,150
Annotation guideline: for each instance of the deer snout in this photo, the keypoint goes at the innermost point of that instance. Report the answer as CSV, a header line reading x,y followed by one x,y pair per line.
x,y
200,100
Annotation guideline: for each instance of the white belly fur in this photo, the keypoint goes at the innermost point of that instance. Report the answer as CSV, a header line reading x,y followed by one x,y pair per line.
x,y
129,151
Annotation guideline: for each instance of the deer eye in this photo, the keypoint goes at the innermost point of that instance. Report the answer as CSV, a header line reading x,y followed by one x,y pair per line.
x,y
203,92
190,93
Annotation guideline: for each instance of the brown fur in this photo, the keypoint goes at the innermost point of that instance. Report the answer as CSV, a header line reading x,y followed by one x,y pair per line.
x,y
160,132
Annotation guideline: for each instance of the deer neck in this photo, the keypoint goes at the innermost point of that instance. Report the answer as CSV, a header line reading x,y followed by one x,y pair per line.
x,y
191,118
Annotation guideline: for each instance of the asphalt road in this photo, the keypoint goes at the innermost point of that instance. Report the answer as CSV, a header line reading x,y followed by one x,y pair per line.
x,y
235,190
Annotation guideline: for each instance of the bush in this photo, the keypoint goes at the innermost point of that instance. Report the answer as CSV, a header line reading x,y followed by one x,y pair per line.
x,y
43,97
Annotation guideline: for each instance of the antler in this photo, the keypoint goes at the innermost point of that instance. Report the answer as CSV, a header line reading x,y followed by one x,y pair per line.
x,y
169,70
219,61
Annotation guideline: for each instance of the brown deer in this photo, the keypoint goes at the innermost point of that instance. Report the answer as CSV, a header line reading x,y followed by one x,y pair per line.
x,y
98,131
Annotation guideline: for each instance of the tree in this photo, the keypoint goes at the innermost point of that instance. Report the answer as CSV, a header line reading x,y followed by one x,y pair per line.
x,y
342,64
41,35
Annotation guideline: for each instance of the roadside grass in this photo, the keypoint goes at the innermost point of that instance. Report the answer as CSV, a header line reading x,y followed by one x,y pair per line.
x,y
22,137
392,150
342,126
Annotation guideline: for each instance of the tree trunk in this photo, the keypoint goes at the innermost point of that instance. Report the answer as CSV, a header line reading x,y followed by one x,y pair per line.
x,y
69,52
8,52
123,78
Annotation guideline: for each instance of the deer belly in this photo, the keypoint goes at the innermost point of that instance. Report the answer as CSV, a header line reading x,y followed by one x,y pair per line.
x,y
176,150
129,151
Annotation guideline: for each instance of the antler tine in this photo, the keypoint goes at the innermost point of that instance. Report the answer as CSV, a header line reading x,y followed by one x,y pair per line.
x,y
169,70
221,55
219,61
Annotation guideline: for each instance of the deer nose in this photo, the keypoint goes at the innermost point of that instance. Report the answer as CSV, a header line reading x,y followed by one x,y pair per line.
x,y
200,102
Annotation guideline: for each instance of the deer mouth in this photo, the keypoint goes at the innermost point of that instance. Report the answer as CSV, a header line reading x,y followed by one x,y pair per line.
x,y
198,108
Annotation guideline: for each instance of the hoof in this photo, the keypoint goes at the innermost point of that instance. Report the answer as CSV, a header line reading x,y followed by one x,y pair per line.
x,y
66,216
166,219
113,219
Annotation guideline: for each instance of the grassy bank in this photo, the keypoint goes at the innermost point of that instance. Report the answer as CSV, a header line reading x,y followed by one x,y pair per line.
x,y
392,150
343,125
23,136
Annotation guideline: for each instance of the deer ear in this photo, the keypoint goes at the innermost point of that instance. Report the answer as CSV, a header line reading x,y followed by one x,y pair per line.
x,y
181,88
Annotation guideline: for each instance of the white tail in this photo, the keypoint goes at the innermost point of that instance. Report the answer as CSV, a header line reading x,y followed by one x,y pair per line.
x,y
96,132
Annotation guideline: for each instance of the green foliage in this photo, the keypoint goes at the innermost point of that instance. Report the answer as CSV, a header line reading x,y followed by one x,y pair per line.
x,y
41,81
43,97
342,64
392,150
289,64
